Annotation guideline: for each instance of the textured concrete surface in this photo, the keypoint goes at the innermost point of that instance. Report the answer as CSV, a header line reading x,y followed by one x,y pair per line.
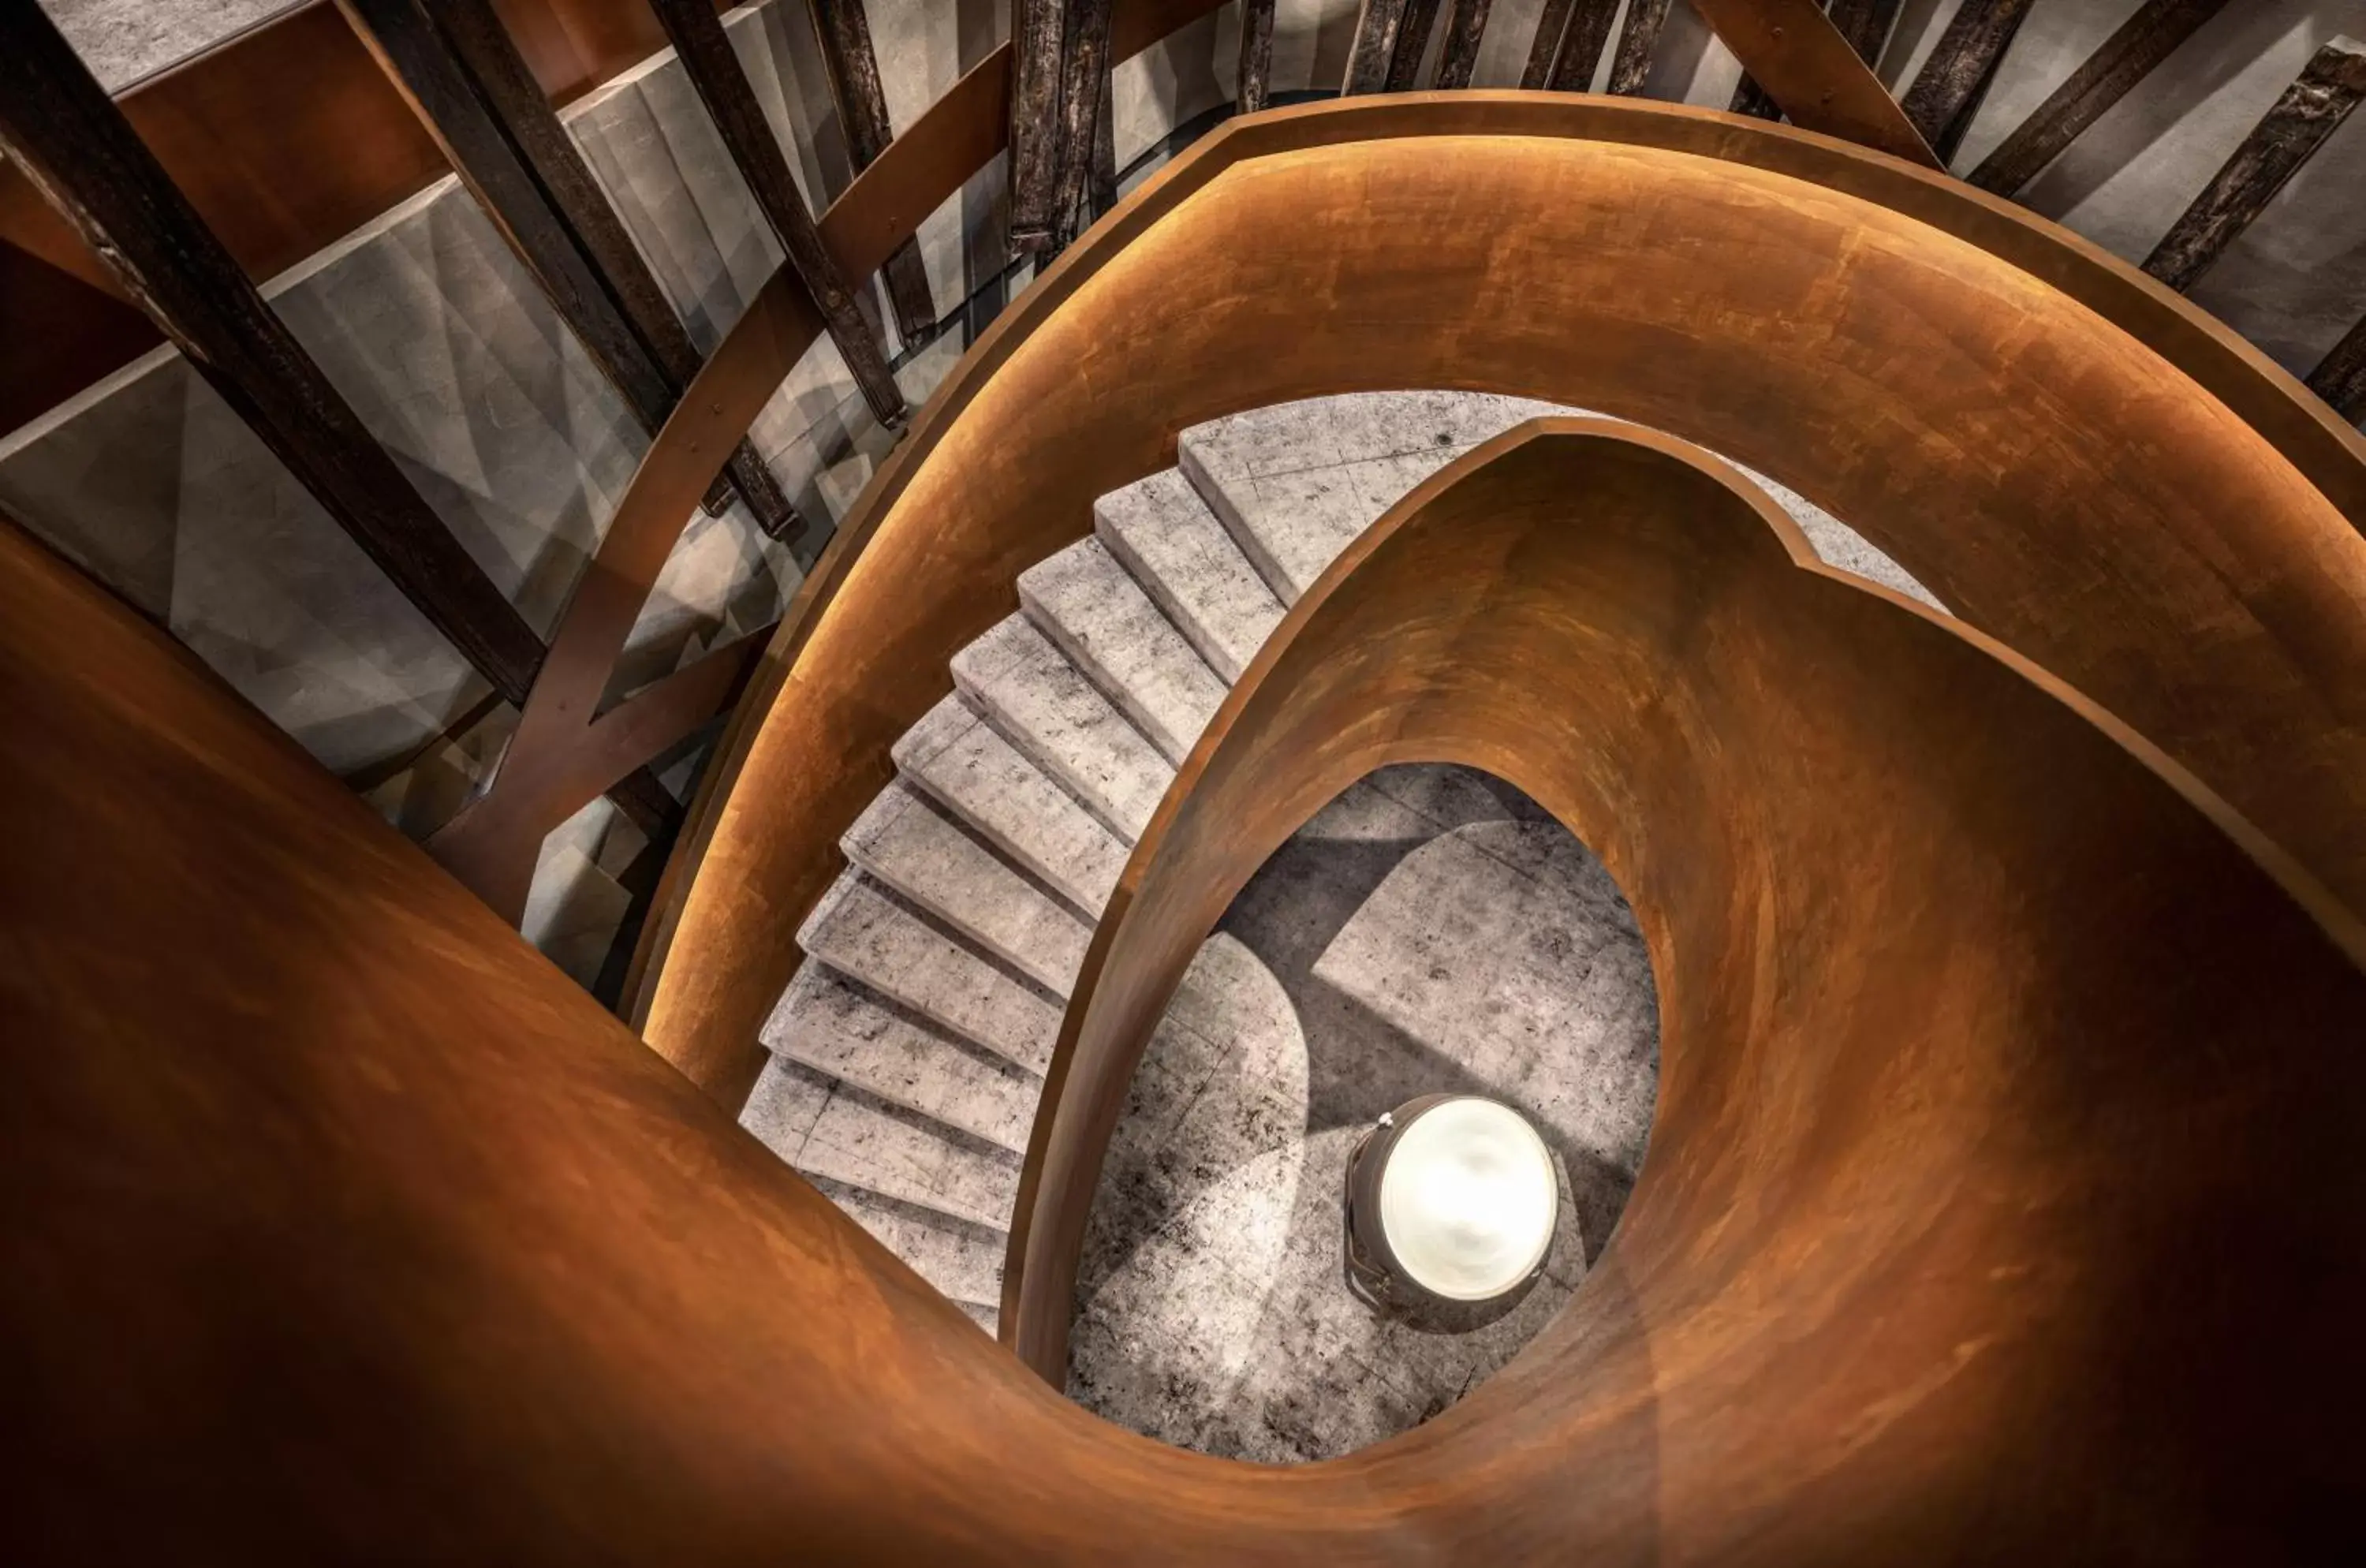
x,y
1095,613
1295,482
836,1132
1431,930
861,933
965,765
846,1031
1047,709
1161,532
913,847
124,40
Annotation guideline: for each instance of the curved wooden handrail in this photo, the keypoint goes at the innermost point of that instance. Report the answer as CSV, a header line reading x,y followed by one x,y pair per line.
x,y
2077,459
2003,1204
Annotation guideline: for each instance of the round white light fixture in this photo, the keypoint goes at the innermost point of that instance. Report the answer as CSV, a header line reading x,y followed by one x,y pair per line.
x,y
1452,1202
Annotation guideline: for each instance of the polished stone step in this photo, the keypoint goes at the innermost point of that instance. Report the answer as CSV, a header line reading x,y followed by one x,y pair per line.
x,y
907,843
965,765
1094,612
1161,532
1045,706
864,934
847,1033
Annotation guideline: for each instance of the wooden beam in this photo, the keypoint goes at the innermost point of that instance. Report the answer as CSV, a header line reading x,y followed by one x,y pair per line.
x,y
2311,109
1374,46
1084,68
2129,55
59,126
1582,43
1638,45
473,92
1749,98
1035,77
1813,73
1947,94
852,67
707,58
1866,24
1104,187
1552,21
1251,92
2340,377
1412,42
1458,56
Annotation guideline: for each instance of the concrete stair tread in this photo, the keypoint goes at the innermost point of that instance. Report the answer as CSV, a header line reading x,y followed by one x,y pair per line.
x,y
962,1261
1294,483
848,1033
858,1143
861,933
905,841
1163,533
962,763
1083,599
1047,707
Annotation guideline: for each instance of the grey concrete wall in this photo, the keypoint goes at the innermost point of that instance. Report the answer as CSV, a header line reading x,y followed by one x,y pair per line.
x,y
123,41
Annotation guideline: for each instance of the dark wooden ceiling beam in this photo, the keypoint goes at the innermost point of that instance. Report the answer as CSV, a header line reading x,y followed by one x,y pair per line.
x,y
1864,24
1458,56
1084,80
1035,76
58,126
1639,46
1373,46
2340,377
2311,109
1814,73
1251,89
473,92
852,67
1544,48
1582,43
1946,95
704,49
1412,42
2126,58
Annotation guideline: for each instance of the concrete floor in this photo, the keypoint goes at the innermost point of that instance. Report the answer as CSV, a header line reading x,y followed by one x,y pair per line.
x,y
1431,930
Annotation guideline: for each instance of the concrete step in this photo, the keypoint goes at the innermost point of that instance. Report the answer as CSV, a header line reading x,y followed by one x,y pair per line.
x,y
1044,706
907,843
1294,483
850,1034
962,1261
866,935
964,765
836,1133
1095,613
1163,534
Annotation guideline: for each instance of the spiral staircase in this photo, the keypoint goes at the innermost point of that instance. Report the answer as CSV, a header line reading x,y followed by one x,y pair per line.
x,y
908,1052
1949,639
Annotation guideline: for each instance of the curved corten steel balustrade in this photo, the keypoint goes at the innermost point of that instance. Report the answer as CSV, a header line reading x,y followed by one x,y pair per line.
x,y
2082,464
2003,1204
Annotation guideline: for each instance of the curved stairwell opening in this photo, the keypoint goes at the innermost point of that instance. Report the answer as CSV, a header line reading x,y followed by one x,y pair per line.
x,y
908,1053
